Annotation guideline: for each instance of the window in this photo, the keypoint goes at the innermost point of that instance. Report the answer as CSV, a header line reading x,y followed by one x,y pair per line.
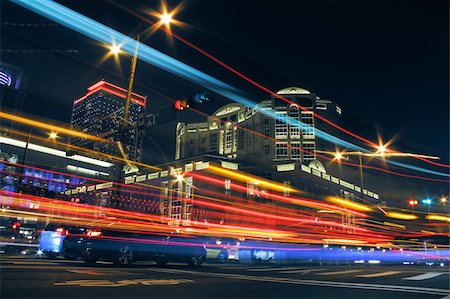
x,y
228,139
308,151
266,149
281,150
295,151
267,120
191,152
281,127
214,142
227,184
203,140
294,125
241,139
308,127
321,106
266,133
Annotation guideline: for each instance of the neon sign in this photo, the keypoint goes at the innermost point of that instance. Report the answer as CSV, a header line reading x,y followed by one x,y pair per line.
x,y
5,79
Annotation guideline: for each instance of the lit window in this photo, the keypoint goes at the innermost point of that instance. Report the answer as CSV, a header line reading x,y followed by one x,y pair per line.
x,y
307,119
295,151
309,151
281,127
281,150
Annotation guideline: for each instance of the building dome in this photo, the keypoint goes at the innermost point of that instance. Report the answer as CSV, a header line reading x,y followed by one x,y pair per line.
x,y
293,90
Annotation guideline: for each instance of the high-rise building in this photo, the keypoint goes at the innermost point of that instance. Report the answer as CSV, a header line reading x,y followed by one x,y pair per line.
x,y
100,113
244,134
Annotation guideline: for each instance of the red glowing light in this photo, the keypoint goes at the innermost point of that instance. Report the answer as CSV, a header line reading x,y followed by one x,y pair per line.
x,y
115,90
178,105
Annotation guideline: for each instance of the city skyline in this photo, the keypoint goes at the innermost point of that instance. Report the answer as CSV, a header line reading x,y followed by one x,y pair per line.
x,y
408,131
224,149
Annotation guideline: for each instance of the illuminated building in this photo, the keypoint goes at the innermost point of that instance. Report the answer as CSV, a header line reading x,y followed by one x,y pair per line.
x,y
11,90
188,186
230,131
100,113
47,166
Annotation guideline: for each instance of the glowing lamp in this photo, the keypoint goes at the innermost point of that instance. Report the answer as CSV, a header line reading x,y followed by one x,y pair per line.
x,y
426,201
166,18
115,49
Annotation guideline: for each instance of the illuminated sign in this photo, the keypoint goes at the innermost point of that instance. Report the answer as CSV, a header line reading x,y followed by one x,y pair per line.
x,y
5,79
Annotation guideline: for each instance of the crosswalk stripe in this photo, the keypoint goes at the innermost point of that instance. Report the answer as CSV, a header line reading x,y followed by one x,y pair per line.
x,y
380,274
424,276
273,269
339,272
304,271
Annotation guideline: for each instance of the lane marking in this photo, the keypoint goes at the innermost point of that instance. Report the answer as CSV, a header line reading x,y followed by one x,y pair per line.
x,y
274,269
32,263
100,272
339,272
121,283
321,283
424,276
305,271
237,267
387,273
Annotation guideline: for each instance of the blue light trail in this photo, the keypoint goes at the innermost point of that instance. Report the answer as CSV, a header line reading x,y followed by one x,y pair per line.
x,y
107,35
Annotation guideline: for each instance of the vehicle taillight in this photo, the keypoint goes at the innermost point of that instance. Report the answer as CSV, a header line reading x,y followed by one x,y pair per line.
x,y
95,233
61,231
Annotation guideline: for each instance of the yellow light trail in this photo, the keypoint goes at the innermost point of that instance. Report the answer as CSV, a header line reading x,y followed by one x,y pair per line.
x,y
401,216
349,204
438,218
59,129
244,177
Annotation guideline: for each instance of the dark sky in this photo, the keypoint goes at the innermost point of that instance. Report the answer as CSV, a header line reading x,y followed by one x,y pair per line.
x,y
385,62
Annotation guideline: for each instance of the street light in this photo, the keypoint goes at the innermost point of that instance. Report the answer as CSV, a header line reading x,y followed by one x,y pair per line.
x,y
443,200
115,49
53,135
382,151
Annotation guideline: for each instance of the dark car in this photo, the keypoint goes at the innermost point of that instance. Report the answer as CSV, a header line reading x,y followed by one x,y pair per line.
x,y
125,247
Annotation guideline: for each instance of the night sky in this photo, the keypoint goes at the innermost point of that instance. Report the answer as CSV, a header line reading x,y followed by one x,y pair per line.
x,y
385,62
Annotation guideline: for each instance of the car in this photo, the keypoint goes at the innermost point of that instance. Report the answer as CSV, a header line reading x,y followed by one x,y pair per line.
x,y
125,247
52,237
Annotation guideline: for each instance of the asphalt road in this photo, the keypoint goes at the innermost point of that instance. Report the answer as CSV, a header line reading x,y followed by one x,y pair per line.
x,y
30,277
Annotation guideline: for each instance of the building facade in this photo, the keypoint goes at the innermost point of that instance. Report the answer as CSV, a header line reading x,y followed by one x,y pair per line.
x,y
187,188
100,113
246,134
11,91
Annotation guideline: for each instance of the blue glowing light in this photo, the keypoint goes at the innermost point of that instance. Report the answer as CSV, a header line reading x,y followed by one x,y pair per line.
x,y
427,201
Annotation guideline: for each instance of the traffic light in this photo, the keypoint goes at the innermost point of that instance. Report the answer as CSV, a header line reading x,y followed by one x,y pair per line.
x,y
427,201
412,202
181,104
198,99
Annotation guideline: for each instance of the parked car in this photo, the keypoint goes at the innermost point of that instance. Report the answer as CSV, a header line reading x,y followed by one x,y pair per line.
x,y
125,247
